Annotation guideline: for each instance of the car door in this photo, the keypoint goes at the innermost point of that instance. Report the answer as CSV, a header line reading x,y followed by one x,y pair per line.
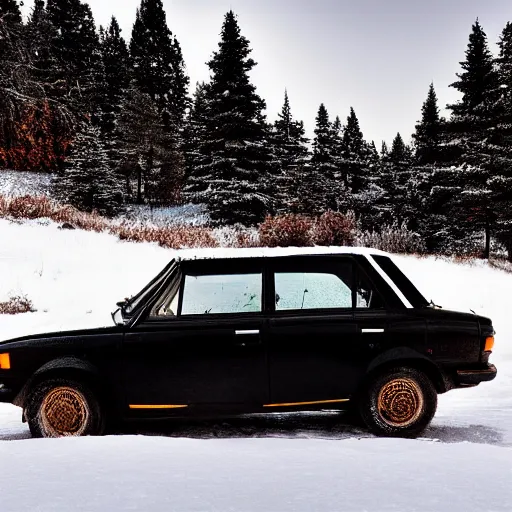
x,y
209,351
313,335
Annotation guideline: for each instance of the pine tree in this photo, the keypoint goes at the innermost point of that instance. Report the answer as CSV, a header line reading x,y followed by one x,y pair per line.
x,y
10,11
88,182
117,73
464,188
152,160
402,185
324,188
289,146
194,137
384,152
39,10
77,50
428,131
356,155
399,151
500,136
235,174
158,62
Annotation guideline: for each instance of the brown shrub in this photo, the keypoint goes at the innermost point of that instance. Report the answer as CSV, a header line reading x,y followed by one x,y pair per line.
x,y
286,231
176,237
40,207
334,229
16,305
88,221
28,207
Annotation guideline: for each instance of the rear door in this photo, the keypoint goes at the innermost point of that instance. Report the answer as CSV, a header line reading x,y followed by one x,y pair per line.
x,y
313,337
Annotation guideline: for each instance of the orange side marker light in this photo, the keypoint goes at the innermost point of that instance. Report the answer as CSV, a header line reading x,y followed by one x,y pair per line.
x,y
5,362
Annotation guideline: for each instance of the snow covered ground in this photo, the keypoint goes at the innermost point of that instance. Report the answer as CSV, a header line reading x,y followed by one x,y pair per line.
x,y
280,462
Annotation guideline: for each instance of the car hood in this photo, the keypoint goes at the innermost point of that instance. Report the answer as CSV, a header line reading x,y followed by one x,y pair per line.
x,y
65,334
438,313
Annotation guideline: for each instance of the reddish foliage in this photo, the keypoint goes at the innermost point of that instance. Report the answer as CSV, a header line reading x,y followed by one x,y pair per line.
x,y
335,229
286,231
35,144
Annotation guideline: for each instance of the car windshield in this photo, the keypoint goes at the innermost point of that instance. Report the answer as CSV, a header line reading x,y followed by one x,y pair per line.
x,y
403,283
141,298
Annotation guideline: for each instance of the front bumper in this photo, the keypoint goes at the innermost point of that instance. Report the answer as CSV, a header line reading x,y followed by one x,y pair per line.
x,y
7,395
473,377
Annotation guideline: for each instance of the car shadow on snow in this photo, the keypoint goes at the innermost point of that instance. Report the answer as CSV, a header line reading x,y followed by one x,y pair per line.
x,y
479,434
327,425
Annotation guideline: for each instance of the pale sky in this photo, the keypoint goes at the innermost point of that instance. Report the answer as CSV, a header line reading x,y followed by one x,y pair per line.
x,y
378,56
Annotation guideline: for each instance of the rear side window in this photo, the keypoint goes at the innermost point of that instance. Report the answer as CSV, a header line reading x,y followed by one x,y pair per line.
x,y
311,290
323,283
222,294
410,292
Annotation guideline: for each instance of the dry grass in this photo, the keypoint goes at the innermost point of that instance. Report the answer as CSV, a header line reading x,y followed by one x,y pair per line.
x,y
394,238
40,207
175,237
16,305
501,264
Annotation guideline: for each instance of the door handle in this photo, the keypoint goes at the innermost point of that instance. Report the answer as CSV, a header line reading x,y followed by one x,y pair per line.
x,y
372,331
247,333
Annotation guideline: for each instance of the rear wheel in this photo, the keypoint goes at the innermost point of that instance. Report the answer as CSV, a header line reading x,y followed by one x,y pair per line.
x,y
63,408
398,403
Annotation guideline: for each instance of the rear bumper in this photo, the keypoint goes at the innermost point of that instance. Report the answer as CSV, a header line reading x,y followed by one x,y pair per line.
x,y
475,376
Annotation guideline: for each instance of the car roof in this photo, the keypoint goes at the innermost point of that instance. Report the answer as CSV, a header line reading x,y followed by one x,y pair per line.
x,y
265,252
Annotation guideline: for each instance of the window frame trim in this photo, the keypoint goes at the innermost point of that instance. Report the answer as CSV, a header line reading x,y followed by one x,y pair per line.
x,y
312,263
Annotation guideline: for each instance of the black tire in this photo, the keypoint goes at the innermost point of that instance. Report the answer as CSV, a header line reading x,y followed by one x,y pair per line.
x,y
400,402
63,408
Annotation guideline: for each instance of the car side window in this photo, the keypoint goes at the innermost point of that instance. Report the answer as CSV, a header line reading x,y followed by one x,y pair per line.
x,y
311,290
222,294
366,295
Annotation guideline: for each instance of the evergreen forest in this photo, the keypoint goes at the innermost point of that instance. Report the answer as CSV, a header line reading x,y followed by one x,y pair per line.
x,y
117,123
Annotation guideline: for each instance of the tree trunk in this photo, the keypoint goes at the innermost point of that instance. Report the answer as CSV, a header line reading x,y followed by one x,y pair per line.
x,y
487,250
509,250
139,184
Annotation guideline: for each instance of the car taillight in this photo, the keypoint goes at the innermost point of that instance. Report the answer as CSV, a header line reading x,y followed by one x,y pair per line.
x,y
5,362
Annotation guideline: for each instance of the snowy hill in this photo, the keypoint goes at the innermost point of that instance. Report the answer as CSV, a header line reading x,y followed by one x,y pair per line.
x,y
282,462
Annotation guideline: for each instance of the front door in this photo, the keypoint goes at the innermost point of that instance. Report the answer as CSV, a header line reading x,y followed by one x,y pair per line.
x,y
204,346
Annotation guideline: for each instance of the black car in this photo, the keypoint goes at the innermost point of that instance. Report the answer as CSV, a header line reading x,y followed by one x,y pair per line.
x,y
245,331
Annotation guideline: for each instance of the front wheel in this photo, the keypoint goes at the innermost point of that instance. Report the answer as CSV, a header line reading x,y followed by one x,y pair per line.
x,y
398,403
63,408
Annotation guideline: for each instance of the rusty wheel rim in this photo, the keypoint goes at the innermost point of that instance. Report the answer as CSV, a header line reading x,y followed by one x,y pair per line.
x,y
400,402
64,412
